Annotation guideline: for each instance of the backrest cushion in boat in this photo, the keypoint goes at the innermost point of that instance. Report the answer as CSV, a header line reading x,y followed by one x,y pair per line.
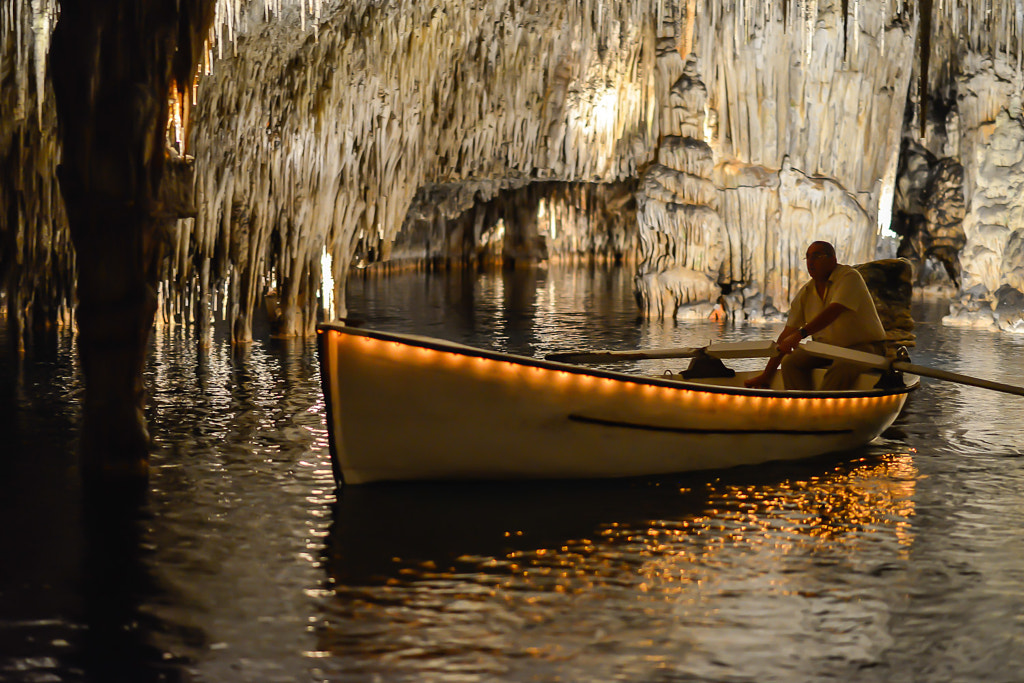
x,y
703,365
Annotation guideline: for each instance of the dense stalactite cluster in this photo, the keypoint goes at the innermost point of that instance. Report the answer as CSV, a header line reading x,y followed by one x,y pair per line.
x,y
36,258
305,145
321,122
807,139
680,230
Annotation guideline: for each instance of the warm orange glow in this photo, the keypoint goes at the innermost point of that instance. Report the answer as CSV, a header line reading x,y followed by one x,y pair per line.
x,y
605,398
762,410
176,122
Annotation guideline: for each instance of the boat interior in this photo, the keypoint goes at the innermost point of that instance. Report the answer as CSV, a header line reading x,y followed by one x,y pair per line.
x,y
867,380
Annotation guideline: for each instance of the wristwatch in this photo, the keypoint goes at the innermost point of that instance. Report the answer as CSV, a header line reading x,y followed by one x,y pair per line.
x,y
804,333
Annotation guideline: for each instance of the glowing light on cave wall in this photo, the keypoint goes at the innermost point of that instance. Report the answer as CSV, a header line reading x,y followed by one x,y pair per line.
x,y
176,116
548,215
885,211
605,110
327,284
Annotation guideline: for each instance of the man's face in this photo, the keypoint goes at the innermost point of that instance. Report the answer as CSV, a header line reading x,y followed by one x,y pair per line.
x,y
819,263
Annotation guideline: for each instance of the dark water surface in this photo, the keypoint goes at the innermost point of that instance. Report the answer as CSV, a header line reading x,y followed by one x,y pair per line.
x,y
901,562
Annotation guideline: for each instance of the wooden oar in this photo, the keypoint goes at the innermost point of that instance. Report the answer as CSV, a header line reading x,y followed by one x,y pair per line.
x,y
752,349
615,356
956,377
764,349
882,363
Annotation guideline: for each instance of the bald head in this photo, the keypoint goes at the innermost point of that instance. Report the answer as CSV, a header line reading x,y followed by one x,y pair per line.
x,y
821,260
824,247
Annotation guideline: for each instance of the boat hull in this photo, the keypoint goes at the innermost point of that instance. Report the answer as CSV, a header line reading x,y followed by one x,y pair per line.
x,y
411,408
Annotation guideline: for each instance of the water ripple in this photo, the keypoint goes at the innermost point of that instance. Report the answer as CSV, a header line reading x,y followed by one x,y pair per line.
x,y
899,562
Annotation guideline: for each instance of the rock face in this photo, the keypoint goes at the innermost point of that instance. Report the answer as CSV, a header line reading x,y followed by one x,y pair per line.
x,y
928,212
36,259
810,108
318,124
680,230
891,282
993,257
553,221
944,213
311,144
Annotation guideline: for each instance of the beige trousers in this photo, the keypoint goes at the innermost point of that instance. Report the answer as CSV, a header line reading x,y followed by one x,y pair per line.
x,y
798,366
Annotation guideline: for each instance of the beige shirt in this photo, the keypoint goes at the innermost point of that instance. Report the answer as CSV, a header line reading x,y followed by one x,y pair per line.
x,y
858,324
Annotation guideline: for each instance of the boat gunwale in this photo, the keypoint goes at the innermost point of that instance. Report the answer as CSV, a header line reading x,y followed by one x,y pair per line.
x,y
436,344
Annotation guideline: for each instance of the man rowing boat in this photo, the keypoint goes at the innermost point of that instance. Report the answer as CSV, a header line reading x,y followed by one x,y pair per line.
x,y
834,307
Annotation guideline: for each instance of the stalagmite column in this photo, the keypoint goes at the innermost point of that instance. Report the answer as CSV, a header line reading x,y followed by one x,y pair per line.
x,y
992,258
679,227
944,217
112,66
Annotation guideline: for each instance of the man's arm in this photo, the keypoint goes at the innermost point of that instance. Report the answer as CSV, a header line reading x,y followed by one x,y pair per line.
x,y
790,338
764,380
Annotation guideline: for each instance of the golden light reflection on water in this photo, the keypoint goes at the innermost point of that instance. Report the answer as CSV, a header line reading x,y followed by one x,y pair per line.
x,y
828,513
514,583
903,564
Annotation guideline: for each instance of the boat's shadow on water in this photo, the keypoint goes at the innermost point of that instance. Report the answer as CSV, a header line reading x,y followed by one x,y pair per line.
x,y
380,531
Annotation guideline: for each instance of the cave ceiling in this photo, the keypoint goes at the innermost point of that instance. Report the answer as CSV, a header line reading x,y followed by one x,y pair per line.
x,y
313,126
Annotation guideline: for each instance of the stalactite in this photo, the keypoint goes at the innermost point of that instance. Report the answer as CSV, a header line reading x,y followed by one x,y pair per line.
x,y
925,58
395,117
318,121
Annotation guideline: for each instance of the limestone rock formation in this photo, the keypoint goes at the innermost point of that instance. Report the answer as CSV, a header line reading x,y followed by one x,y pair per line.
x,y
787,210
311,144
944,217
806,148
37,263
316,124
891,282
524,224
992,259
680,230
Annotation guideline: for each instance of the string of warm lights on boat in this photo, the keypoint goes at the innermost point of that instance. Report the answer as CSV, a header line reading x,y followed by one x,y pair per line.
x,y
764,410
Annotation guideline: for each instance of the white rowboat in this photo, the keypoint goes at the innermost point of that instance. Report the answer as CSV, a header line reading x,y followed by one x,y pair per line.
x,y
403,407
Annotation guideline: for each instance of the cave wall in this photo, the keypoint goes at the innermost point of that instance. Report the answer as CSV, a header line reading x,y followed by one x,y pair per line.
x,y
543,221
36,257
309,142
316,125
968,128
803,112
806,104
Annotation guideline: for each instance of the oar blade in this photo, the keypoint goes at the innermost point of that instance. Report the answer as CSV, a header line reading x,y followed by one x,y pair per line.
x,y
934,373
